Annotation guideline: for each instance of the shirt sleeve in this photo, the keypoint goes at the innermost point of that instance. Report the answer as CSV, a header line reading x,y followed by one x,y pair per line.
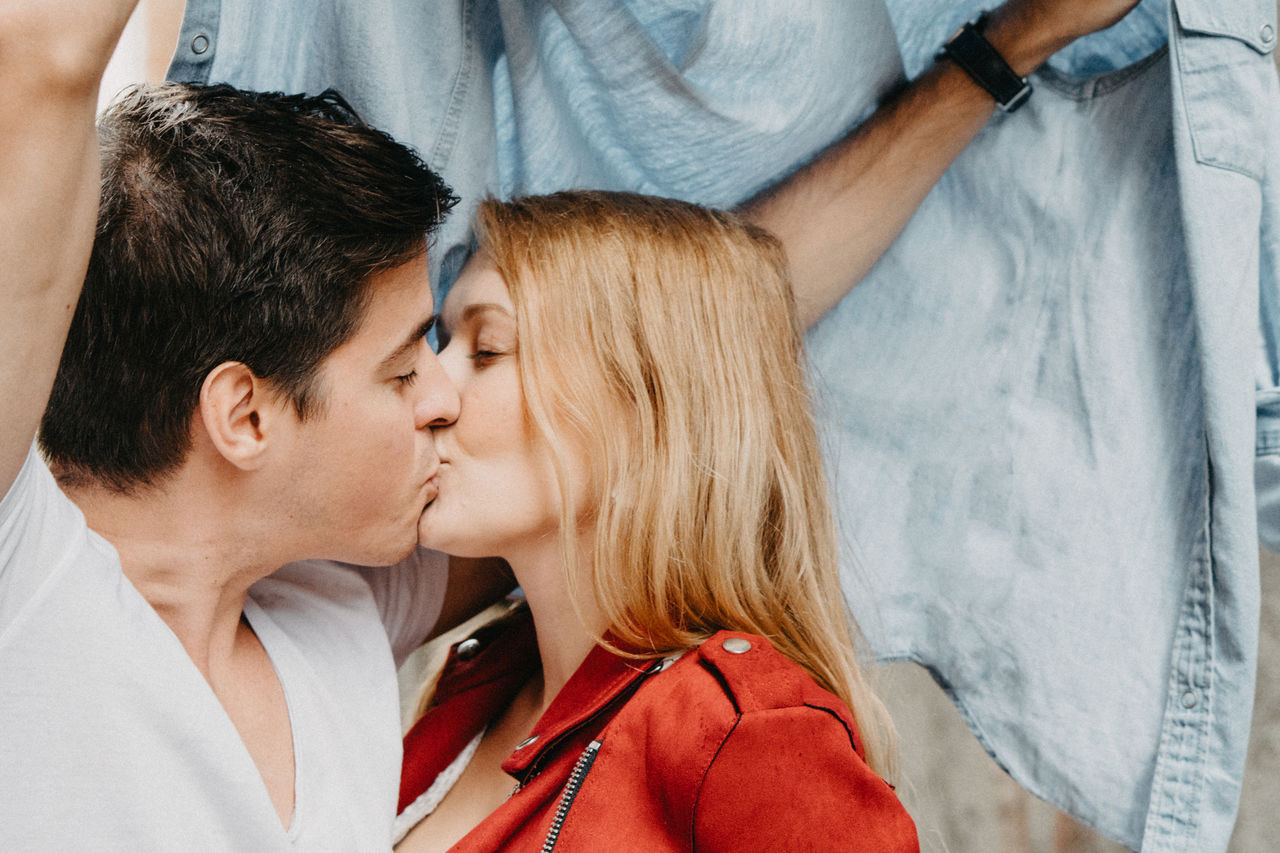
x,y
1267,366
13,513
1266,470
409,596
39,530
789,779
13,499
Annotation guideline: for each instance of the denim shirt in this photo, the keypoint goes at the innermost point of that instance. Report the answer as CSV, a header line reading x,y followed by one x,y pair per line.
x,y
1038,405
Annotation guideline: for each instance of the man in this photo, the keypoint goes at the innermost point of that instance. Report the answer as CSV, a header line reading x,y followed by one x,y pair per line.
x,y
245,384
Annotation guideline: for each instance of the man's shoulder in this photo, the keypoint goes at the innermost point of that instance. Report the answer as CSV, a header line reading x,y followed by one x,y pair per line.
x,y
320,578
32,496
329,615
43,540
323,594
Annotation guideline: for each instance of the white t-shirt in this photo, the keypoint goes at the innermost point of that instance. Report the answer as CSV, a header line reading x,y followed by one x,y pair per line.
x,y
110,738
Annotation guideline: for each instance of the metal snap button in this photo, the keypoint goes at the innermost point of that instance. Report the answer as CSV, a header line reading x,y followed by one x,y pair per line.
x,y
199,44
530,739
468,648
1268,33
736,645
1189,699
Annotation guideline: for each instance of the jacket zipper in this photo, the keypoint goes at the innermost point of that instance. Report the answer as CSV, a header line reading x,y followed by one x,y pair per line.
x,y
579,774
549,748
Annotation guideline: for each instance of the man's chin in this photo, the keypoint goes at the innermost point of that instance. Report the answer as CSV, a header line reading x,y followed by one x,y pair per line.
x,y
396,549
431,536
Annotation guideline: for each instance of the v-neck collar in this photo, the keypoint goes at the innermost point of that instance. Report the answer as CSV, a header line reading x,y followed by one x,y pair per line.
x,y
274,645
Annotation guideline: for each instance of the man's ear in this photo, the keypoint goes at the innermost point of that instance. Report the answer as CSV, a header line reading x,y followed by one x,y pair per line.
x,y
239,412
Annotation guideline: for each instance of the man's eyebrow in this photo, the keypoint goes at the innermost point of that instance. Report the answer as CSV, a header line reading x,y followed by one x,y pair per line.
x,y
409,343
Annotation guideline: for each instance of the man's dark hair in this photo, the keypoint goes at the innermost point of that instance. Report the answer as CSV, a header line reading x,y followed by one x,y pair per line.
x,y
234,226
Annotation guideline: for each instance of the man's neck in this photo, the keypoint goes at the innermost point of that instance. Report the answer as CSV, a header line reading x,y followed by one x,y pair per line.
x,y
188,555
192,547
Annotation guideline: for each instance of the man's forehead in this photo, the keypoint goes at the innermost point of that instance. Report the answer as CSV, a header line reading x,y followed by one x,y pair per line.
x,y
409,345
398,305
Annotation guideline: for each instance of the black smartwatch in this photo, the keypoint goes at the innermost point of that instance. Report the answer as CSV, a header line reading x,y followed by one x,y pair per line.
x,y
969,49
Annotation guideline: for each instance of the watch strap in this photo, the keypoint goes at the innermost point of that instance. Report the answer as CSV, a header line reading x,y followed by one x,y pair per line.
x,y
970,50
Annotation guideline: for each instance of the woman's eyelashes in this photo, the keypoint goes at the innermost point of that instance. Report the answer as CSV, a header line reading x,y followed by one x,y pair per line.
x,y
406,379
485,357
490,343
481,339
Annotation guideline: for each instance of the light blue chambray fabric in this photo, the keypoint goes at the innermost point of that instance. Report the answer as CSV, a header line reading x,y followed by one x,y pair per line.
x,y
1039,404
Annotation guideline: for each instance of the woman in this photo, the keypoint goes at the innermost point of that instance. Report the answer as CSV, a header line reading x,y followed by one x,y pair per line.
x,y
636,440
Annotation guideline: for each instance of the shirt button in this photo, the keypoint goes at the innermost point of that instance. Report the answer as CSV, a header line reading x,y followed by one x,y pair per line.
x,y
468,648
199,44
1189,699
530,739
736,645
1268,33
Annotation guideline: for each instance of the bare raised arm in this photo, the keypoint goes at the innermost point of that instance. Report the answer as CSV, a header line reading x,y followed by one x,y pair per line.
x,y
52,55
839,214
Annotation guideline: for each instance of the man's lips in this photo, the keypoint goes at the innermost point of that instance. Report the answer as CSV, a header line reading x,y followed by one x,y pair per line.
x,y
432,486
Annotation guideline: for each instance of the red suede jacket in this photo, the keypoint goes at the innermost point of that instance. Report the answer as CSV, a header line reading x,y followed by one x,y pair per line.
x,y
730,748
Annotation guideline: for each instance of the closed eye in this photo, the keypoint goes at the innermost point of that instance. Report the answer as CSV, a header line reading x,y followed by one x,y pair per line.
x,y
408,378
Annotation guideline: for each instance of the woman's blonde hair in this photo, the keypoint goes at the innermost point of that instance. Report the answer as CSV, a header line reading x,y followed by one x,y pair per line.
x,y
660,339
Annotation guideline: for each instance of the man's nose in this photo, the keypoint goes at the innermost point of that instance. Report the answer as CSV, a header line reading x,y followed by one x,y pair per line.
x,y
439,402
